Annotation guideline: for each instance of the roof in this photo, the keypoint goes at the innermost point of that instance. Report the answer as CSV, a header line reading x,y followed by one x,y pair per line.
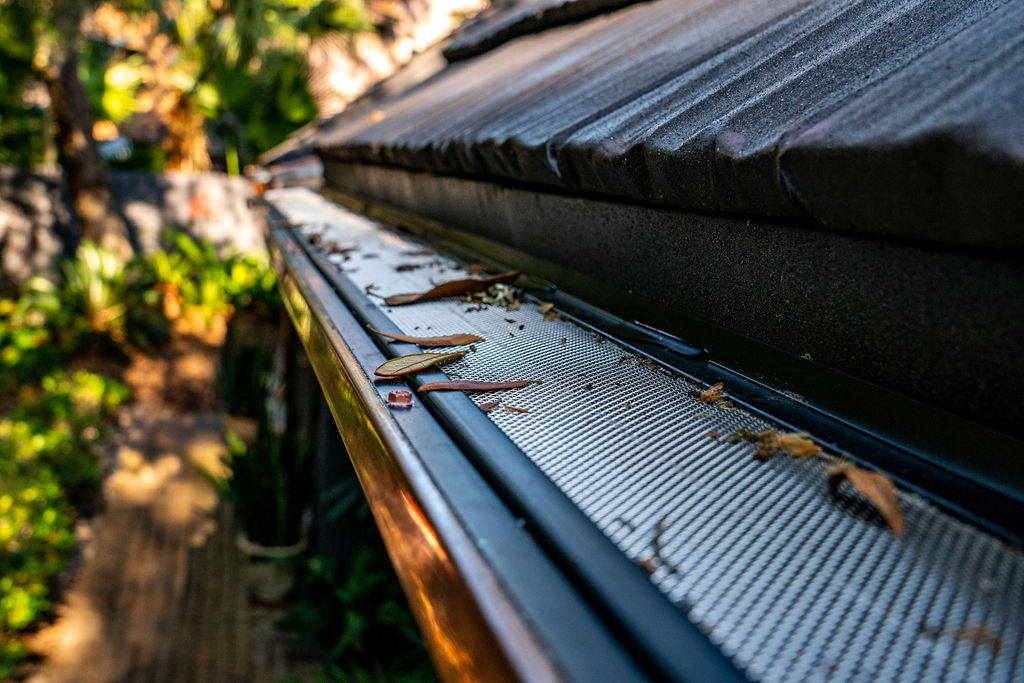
x,y
898,117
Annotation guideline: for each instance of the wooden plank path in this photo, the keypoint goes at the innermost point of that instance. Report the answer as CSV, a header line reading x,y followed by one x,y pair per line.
x,y
161,594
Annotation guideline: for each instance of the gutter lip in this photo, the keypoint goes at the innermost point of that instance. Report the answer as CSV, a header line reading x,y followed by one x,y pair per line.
x,y
541,628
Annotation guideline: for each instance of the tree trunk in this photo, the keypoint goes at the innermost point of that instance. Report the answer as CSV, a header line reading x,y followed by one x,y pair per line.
x,y
86,170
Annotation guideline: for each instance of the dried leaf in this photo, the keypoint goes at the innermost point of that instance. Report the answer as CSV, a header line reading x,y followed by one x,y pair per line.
x,y
433,342
550,315
514,306
713,394
452,288
976,635
414,362
489,406
657,559
335,248
798,444
514,409
477,269
406,267
420,252
713,434
545,308
769,442
875,486
470,385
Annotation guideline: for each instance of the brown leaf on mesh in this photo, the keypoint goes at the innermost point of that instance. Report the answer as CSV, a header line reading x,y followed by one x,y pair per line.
x,y
515,409
489,406
452,288
877,488
976,634
406,267
545,308
514,306
470,385
335,248
414,362
712,394
769,442
433,342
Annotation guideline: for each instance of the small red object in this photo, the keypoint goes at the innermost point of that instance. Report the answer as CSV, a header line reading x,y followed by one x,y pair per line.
x,y
400,398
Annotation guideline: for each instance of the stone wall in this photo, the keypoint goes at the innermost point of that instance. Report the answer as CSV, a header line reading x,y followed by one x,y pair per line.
x,y
37,224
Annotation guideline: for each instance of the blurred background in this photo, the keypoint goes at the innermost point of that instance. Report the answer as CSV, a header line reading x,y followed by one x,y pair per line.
x,y
175,503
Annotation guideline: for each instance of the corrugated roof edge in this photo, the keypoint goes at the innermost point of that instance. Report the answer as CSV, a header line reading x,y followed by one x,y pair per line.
x,y
501,24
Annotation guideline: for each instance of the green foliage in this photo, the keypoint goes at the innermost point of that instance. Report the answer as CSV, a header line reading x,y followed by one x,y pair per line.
x,y
22,126
112,77
271,476
48,468
98,304
269,107
47,472
357,610
194,272
239,61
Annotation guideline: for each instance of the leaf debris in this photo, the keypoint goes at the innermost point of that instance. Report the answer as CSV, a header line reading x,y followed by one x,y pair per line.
x,y
974,634
770,442
545,308
515,409
877,488
334,248
452,288
499,294
414,362
432,342
407,267
637,361
656,560
514,306
489,406
715,396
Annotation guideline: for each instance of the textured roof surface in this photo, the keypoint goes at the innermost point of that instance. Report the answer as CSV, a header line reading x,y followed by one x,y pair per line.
x,y
897,117
504,21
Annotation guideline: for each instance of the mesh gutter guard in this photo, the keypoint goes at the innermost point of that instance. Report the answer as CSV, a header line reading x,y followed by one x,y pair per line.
x,y
786,582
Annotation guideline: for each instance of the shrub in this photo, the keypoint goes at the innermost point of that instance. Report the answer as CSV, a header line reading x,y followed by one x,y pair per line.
x,y
47,469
